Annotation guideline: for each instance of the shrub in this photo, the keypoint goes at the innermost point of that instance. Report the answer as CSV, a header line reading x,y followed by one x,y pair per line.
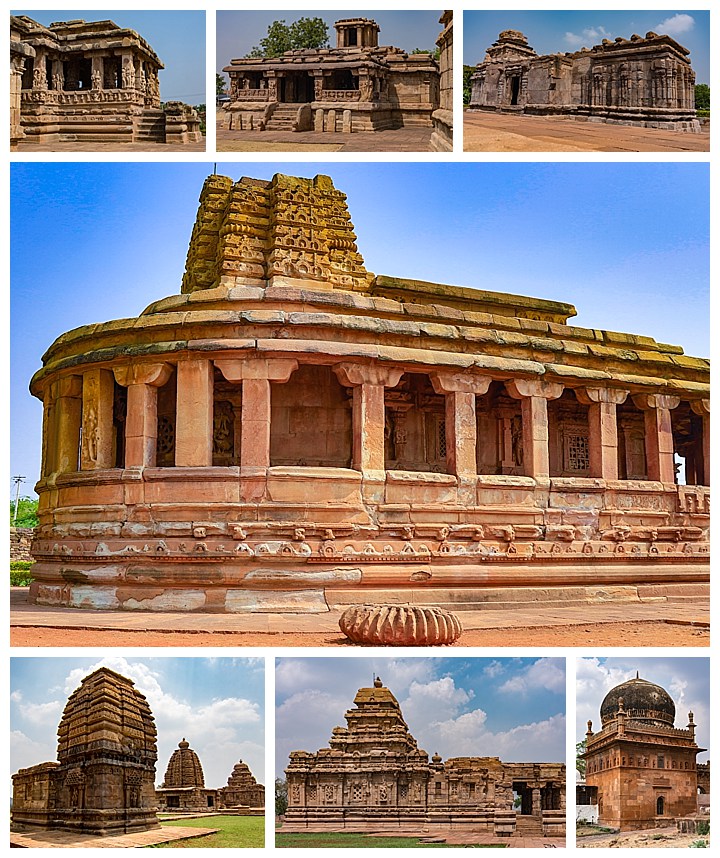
x,y
20,574
703,826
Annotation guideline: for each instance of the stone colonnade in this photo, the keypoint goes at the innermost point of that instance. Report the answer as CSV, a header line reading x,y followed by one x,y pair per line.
x,y
81,407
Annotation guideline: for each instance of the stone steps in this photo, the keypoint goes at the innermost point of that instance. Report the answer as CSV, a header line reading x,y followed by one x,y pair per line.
x,y
283,117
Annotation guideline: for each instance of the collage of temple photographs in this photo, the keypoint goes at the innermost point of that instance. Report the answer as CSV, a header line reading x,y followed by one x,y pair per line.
x,y
358,448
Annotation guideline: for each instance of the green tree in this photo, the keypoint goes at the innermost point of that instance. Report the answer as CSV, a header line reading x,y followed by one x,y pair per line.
x,y
434,54
27,513
467,86
281,797
308,33
580,763
220,85
281,37
702,96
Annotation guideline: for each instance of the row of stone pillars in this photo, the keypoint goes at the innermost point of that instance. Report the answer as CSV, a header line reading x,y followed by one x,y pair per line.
x,y
134,74
86,401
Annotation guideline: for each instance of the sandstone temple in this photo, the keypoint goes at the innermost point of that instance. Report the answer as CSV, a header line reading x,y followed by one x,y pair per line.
x,y
373,777
183,789
104,779
90,82
356,86
641,769
292,432
646,81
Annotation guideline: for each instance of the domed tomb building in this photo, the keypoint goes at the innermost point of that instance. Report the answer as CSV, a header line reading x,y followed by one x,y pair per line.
x,y
293,432
643,767
104,779
374,776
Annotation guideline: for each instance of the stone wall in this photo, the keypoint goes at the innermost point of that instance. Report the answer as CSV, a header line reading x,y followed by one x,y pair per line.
x,y
20,541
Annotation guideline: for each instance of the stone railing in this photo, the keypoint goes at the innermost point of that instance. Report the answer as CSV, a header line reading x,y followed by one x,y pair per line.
x,y
339,95
251,95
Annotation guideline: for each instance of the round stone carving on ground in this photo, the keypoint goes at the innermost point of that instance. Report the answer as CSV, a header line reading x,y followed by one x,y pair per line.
x,y
400,625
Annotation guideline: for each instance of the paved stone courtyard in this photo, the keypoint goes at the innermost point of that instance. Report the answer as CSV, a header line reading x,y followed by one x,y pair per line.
x,y
399,140
71,840
488,132
100,147
629,623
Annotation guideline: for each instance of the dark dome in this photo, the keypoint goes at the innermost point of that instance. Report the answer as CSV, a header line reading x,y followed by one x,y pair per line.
x,y
642,701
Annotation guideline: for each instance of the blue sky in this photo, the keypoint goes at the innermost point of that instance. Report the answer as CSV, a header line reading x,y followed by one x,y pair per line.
x,y
94,242
512,708
687,680
178,38
560,31
239,32
217,704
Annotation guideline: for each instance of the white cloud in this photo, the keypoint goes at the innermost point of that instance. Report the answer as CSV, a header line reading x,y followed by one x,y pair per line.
x,y
676,25
495,668
26,752
545,673
590,36
439,698
41,713
467,735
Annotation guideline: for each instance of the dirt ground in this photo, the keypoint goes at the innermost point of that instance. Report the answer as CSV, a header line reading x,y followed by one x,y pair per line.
x,y
662,838
502,132
601,634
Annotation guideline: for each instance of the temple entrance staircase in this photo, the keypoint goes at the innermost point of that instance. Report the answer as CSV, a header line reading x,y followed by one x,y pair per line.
x,y
283,117
150,126
528,826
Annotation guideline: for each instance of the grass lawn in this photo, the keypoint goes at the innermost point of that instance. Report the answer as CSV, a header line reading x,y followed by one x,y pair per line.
x,y
239,831
338,839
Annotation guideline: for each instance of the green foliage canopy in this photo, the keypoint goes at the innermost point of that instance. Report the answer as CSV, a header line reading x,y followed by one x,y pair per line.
x,y
281,797
220,84
580,763
27,513
702,96
281,37
467,87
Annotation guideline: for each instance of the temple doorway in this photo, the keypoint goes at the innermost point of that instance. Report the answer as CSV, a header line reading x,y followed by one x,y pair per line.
x,y
296,88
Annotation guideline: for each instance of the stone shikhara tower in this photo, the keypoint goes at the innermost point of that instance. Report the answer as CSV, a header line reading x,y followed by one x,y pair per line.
x,y
292,431
104,780
642,767
375,776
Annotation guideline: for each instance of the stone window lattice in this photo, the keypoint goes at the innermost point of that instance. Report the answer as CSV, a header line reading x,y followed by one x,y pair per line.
x,y
576,452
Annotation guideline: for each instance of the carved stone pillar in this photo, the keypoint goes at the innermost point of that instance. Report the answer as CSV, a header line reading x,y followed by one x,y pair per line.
x,y
460,390
533,395
194,414
142,382
659,446
67,411
96,73
256,375
702,407
368,382
98,390
602,421
536,805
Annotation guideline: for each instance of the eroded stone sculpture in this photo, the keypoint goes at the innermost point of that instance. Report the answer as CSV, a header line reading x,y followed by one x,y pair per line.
x,y
375,777
292,432
400,625
646,81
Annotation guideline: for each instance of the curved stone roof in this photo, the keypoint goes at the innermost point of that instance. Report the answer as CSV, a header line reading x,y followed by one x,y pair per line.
x,y
642,701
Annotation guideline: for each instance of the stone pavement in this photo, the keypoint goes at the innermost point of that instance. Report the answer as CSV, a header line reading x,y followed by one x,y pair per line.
x,y
464,838
397,140
502,132
110,147
71,839
522,615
